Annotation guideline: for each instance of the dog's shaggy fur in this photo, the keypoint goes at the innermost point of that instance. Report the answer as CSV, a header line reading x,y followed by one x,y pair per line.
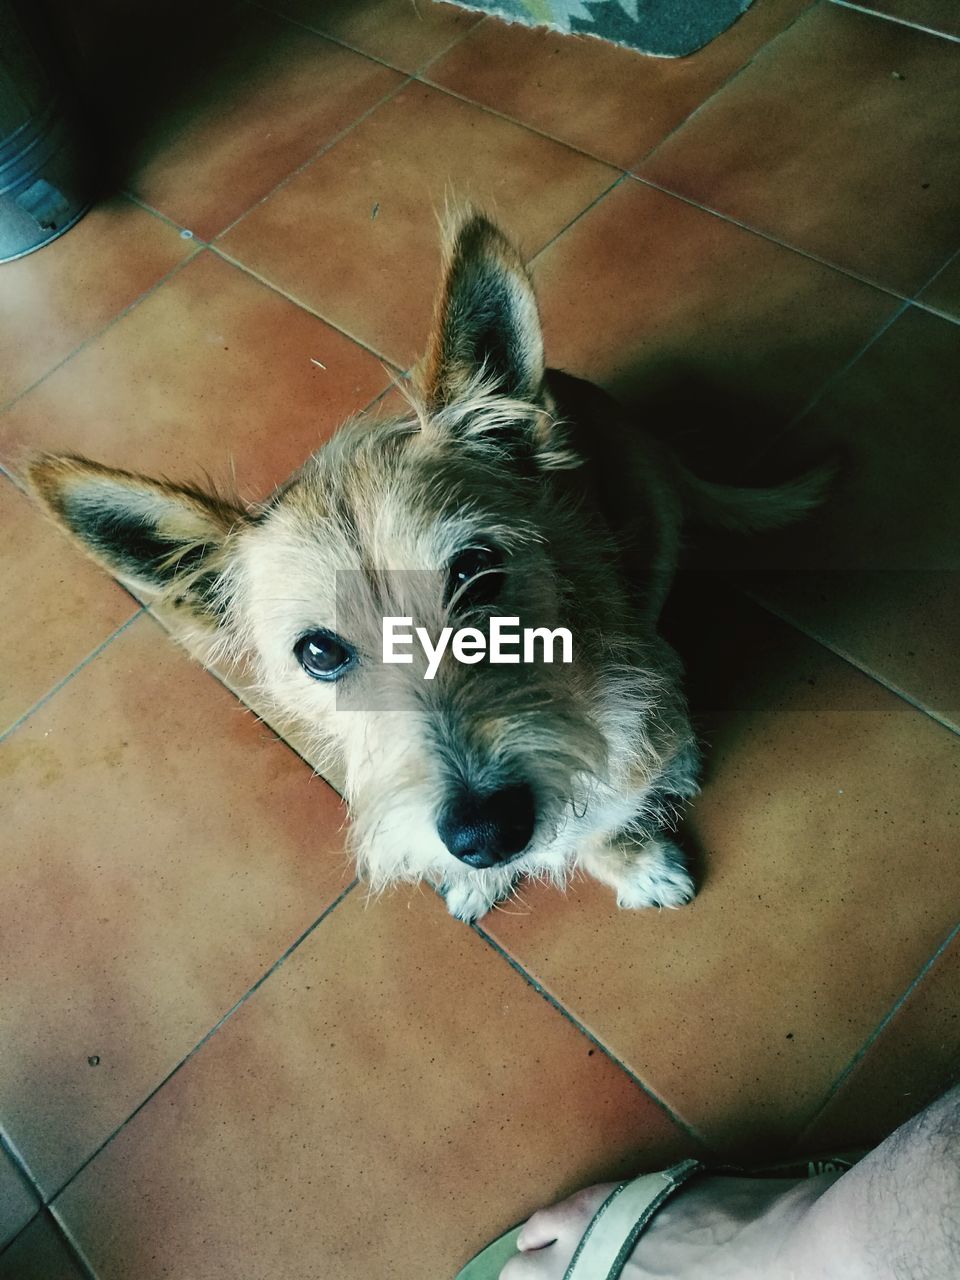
x,y
507,488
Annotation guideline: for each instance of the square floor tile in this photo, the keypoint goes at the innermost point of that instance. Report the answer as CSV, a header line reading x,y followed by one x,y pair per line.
x,y
395,1071
876,572
609,101
943,292
161,851
404,34
40,1253
59,606
214,373
270,95
369,261
824,847
937,15
914,1060
56,298
711,334
18,1203
839,138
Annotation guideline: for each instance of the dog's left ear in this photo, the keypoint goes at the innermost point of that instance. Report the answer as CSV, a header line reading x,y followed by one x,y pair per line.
x,y
486,320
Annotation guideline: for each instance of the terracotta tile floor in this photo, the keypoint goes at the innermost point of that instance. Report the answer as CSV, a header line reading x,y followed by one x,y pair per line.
x,y
221,1059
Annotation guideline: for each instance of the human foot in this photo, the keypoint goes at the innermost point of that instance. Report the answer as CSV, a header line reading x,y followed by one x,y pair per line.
x,y
713,1228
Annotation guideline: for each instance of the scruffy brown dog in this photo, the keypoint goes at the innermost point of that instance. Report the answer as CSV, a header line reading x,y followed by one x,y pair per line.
x,y
507,490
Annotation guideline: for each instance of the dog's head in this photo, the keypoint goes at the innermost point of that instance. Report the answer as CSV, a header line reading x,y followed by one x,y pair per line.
x,y
465,770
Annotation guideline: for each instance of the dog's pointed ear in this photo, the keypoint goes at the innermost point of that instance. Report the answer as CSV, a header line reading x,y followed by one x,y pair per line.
x,y
486,320
160,538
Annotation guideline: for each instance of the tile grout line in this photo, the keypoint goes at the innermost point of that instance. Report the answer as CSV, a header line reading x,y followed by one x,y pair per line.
x,y
45,1213
874,1035
81,1259
442,53
311,159
12,478
530,262
185,232
94,337
565,1013
848,658
317,315
520,124
757,53
769,236
10,1149
85,662
890,17
345,44
38,1213
288,20
951,259
778,437
829,383
221,1021
240,266
41,1210
83,1262
931,309
72,1247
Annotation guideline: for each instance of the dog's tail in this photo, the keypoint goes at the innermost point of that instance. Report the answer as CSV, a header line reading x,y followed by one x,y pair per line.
x,y
745,510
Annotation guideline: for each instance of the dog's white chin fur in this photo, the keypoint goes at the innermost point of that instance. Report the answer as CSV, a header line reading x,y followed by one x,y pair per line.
x,y
394,840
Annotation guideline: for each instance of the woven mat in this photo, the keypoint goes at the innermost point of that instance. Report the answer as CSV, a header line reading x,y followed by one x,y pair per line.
x,y
663,28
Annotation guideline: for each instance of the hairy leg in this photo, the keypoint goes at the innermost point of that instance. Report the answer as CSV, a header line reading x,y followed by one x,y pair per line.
x,y
896,1214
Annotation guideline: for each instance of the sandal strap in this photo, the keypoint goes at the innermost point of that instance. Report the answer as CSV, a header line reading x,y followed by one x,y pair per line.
x,y
620,1221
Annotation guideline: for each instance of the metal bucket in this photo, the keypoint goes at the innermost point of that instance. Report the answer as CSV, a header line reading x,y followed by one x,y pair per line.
x,y
45,182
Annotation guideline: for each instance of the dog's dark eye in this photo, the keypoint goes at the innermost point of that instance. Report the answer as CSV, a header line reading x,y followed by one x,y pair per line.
x,y
324,655
475,577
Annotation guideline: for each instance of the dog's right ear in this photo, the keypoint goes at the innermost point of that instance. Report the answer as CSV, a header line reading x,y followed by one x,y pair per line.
x,y
486,321
162,539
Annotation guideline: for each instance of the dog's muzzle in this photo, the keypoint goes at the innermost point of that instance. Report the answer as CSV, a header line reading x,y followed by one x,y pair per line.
x,y
483,831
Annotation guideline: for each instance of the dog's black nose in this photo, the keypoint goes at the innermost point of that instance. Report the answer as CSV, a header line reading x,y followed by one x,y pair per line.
x,y
484,830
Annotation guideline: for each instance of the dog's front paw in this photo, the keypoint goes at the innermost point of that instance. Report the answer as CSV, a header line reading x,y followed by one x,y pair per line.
x,y
658,878
467,900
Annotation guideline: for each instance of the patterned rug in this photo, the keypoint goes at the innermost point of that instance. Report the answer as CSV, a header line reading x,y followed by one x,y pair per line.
x,y
663,28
